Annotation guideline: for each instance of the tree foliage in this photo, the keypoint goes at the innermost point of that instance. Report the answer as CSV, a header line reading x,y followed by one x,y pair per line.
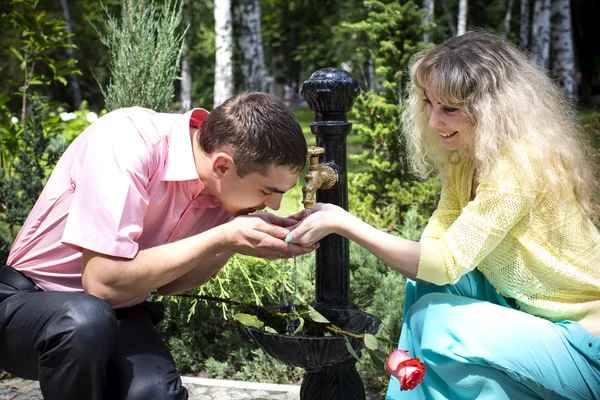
x,y
39,37
145,53
390,34
33,164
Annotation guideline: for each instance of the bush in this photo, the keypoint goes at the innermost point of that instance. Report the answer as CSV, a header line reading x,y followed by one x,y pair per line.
x,y
205,340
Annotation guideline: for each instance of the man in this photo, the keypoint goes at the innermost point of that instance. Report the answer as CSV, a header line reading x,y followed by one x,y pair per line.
x,y
141,201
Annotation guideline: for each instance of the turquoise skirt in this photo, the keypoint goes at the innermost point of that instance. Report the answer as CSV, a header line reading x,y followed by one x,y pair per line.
x,y
476,345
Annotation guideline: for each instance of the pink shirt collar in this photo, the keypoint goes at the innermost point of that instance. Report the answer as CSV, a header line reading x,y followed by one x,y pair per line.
x,y
180,159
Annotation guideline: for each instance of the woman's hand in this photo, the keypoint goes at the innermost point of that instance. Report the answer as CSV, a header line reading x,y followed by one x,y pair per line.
x,y
322,220
256,236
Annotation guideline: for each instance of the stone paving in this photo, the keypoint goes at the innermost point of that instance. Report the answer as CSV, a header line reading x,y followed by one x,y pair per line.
x,y
199,388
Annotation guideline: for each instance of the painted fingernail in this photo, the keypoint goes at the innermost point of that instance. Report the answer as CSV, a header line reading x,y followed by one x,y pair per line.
x,y
289,239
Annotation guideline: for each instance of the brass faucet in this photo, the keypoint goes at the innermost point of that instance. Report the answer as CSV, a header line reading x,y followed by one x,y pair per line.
x,y
319,176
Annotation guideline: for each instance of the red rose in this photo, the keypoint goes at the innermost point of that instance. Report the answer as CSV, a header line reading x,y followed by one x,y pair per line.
x,y
409,371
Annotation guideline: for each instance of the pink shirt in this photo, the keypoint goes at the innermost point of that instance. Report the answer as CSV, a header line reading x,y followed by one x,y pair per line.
x,y
127,183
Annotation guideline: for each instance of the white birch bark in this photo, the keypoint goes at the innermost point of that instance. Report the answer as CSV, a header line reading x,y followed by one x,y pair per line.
x,y
540,34
524,30
461,26
186,80
223,88
563,55
428,8
251,46
507,18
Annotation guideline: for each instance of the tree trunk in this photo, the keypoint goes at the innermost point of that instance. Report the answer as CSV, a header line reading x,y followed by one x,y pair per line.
x,y
428,8
224,52
563,55
254,74
448,17
585,17
507,18
524,30
186,79
461,26
540,35
73,79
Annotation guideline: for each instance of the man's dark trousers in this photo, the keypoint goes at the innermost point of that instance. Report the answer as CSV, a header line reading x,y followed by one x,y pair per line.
x,y
78,347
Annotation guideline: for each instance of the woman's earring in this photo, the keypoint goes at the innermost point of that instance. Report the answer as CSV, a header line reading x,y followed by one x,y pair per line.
x,y
454,158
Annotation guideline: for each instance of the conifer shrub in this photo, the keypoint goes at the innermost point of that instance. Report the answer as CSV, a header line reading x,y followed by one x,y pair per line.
x,y
145,48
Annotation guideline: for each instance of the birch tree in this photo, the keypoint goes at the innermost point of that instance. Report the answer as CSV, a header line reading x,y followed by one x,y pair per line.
x,y
524,29
448,17
224,52
247,15
540,34
428,9
563,55
461,26
186,79
507,18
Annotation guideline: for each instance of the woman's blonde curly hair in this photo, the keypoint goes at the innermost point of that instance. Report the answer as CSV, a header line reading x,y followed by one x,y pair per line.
x,y
516,112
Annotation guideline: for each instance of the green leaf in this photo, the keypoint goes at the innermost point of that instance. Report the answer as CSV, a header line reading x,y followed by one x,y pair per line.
x,y
378,359
271,330
350,349
249,320
300,326
316,316
16,52
371,342
384,339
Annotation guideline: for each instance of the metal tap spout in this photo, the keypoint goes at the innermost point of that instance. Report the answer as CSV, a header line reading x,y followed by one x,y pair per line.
x,y
319,176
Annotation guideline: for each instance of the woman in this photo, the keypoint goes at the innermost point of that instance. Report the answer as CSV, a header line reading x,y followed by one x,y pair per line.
x,y
511,255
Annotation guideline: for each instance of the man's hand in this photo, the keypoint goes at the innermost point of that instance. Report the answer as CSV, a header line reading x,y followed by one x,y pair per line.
x,y
257,236
284,222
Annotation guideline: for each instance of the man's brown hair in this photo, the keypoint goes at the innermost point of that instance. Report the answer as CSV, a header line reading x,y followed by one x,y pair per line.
x,y
259,130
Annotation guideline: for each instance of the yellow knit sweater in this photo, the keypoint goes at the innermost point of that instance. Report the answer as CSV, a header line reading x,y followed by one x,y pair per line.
x,y
543,253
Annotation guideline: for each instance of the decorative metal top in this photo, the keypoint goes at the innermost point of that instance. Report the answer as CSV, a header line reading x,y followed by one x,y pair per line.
x,y
330,93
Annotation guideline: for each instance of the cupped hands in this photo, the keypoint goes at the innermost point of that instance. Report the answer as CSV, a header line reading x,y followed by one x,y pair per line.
x,y
262,235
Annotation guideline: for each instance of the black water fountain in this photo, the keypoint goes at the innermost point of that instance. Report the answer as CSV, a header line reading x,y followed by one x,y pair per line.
x,y
330,367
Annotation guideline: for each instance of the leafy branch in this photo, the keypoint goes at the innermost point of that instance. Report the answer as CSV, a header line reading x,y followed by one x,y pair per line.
x,y
302,320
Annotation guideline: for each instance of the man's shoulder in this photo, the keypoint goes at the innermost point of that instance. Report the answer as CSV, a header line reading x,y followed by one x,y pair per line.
x,y
149,124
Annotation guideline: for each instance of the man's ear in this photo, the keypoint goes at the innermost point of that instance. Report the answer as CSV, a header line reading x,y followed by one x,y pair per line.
x,y
223,164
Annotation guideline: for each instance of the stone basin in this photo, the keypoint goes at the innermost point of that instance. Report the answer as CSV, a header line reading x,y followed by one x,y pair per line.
x,y
313,352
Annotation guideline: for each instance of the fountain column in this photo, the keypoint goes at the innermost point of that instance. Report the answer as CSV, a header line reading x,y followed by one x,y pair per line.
x,y
330,94
330,366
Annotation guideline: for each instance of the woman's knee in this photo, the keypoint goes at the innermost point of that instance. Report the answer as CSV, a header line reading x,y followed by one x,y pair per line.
x,y
435,315
434,300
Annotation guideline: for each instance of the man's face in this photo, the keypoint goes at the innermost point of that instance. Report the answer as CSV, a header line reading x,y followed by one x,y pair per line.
x,y
254,191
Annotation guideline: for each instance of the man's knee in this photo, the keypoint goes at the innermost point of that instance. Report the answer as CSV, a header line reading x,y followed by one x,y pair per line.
x,y
86,324
157,387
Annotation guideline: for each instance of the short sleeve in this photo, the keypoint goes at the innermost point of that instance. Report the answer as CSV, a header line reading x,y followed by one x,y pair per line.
x,y
109,177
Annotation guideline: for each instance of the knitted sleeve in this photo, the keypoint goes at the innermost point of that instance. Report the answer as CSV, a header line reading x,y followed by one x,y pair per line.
x,y
448,209
455,241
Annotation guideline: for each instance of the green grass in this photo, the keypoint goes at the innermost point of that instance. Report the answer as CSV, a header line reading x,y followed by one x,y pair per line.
x,y
355,143
585,114
292,200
